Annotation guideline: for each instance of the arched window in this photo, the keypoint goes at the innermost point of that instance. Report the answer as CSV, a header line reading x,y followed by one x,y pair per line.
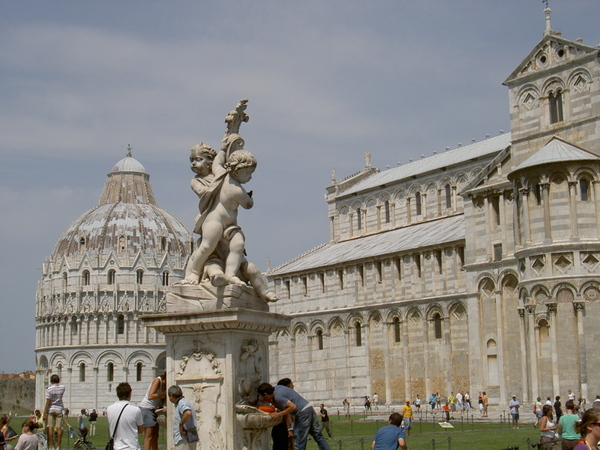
x,y
81,372
138,371
418,203
556,106
358,334
85,277
396,325
110,372
73,325
110,278
320,339
139,276
163,244
64,280
165,278
437,324
448,192
584,189
358,219
387,211
120,324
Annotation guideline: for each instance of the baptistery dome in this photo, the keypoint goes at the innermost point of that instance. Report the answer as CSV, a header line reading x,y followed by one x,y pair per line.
x,y
111,265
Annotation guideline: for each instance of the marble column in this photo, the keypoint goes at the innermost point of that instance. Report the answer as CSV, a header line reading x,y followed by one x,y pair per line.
x,y
552,309
579,307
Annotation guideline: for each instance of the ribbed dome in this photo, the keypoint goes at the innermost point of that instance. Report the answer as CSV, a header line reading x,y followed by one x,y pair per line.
x,y
126,220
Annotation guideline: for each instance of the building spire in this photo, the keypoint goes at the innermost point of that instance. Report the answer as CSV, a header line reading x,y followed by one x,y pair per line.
x,y
129,148
547,12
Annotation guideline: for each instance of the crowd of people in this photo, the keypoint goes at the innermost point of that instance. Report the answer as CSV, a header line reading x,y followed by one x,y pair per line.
x,y
574,428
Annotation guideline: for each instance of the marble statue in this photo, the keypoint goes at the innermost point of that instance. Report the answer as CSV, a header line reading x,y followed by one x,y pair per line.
x,y
219,257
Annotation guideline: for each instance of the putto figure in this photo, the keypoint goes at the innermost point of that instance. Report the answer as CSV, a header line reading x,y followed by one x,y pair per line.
x,y
219,184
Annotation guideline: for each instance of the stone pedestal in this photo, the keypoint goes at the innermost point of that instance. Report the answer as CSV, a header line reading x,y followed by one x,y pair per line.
x,y
217,352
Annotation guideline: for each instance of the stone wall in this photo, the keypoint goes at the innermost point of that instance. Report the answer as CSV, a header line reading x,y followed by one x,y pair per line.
x,y
18,395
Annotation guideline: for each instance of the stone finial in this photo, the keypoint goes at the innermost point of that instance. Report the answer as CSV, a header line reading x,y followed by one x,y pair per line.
x,y
129,148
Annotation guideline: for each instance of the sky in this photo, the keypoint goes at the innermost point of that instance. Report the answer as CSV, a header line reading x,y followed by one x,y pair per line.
x,y
326,81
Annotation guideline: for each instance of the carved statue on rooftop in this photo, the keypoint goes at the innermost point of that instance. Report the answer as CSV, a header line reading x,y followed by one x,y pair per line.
x,y
220,255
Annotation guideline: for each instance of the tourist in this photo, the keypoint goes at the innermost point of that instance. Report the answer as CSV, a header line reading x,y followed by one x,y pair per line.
x,y
452,401
566,426
153,400
305,418
93,419
537,410
129,418
283,433
391,436
407,413
547,429
53,412
514,411
346,406
557,408
596,404
81,424
7,432
185,431
28,440
376,400
589,428
418,403
486,402
432,401
325,423
367,403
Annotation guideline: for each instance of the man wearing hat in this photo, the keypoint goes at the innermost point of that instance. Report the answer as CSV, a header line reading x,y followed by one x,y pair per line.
x,y
407,413
514,411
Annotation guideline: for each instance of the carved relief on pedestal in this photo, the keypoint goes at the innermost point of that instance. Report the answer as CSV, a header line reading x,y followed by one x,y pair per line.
x,y
200,378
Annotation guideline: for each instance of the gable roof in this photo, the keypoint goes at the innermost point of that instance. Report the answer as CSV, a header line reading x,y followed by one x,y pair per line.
x,y
446,159
556,151
425,234
530,64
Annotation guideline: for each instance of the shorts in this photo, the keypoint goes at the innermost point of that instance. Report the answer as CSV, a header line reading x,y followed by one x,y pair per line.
x,y
148,417
54,420
515,416
408,423
185,445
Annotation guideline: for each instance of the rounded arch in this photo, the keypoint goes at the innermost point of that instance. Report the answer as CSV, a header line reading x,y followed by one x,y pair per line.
x,y
486,285
384,197
354,316
414,313
528,88
107,356
392,314
317,324
542,320
414,188
141,355
57,358
523,295
161,362
299,328
370,201
374,316
336,322
356,204
399,194
343,209
431,185
540,293
80,356
42,363
564,293
509,280
458,308
552,84
574,76
432,310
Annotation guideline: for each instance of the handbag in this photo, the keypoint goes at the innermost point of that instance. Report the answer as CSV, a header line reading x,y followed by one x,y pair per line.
x,y
110,445
192,435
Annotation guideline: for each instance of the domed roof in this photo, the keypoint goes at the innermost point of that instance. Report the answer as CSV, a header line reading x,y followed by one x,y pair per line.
x,y
128,164
126,219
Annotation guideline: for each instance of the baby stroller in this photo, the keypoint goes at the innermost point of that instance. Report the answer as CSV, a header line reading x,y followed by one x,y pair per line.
x,y
81,442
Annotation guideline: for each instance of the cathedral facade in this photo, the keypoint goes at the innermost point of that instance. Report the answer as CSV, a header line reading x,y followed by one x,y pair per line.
x,y
110,266
476,269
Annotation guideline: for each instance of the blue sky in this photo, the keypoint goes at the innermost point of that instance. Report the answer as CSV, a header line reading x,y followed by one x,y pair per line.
x,y
326,81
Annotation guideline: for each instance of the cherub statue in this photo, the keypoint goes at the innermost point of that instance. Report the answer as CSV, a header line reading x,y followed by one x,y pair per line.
x,y
218,183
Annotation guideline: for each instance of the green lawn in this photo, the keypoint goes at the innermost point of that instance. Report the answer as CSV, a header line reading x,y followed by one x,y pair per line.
x,y
357,434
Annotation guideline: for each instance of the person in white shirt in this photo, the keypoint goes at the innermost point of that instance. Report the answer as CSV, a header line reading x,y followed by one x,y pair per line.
x,y
130,424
